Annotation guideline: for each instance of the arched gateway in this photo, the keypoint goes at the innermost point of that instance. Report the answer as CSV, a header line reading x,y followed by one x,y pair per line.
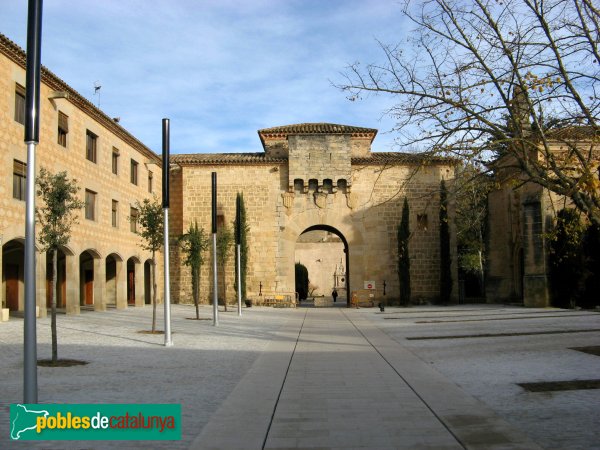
x,y
314,176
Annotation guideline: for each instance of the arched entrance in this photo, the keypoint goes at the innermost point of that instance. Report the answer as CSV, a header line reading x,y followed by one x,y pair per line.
x,y
323,250
133,288
60,284
148,282
87,273
13,262
114,276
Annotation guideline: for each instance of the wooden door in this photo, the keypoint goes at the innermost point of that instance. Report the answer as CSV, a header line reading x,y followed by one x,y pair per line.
x,y
131,287
12,286
89,287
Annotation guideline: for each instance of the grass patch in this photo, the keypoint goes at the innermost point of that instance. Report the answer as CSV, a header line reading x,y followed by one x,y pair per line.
x,y
552,386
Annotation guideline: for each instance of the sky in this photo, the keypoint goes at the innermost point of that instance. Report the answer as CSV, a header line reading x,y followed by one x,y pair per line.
x,y
218,69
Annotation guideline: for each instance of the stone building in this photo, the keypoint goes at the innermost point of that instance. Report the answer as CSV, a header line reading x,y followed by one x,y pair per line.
x,y
307,177
521,215
103,264
315,176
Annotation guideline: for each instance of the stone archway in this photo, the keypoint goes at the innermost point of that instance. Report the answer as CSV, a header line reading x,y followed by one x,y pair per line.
x,y
115,281
323,250
91,280
13,267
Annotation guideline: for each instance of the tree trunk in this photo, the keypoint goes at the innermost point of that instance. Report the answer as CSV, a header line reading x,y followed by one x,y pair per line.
x,y
53,307
224,287
154,290
196,289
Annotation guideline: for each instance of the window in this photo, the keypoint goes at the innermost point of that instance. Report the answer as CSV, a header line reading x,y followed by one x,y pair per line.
x,y
150,176
422,222
134,215
63,128
134,172
90,205
115,211
90,146
19,179
115,161
20,104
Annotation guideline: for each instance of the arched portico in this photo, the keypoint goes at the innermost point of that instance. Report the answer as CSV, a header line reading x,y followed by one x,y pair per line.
x,y
64,276
116,282
135,282
92,278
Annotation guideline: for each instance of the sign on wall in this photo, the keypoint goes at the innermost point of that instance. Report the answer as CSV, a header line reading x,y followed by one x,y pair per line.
x,y
369,284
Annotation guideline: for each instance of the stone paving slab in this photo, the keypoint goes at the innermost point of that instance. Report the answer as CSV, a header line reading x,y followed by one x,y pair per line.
x,y
346,384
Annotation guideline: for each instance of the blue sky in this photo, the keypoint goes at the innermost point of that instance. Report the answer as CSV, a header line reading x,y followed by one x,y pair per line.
x,y
219,69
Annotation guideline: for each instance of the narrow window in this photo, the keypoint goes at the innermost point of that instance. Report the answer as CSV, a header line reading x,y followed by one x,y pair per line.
x,y
134,172
19,179
115,161
63,128
90,146
134,215
422,222
20,104
150,177
313,185
115,211
90,205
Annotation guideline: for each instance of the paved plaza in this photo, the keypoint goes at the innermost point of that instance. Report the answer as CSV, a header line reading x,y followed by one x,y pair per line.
x,y
406,378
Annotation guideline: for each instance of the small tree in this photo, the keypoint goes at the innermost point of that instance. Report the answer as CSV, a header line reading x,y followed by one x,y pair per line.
x,y
150,227
193,244
224,243
301,273
403,255
567,262
244,229
58,197
445,258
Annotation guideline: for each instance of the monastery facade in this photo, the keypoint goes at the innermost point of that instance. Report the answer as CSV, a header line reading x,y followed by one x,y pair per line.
x,y
306,177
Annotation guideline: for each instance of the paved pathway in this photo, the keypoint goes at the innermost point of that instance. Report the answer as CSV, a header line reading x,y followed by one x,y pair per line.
x,y
332,379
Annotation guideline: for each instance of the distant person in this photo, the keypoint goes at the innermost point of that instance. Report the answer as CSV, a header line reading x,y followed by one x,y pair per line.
x,y
334,294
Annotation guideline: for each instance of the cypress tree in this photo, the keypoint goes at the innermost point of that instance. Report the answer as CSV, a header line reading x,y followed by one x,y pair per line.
x,y
243,237
403,255
445,258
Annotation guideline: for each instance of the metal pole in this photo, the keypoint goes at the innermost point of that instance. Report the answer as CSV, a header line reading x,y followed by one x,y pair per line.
x,y
238,242
168,341
32,132
165,196
214,245
239,278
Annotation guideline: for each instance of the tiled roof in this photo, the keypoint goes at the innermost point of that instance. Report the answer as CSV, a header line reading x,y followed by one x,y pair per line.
x,y
224,158
574,133
377,158
317,128
382,158
18,56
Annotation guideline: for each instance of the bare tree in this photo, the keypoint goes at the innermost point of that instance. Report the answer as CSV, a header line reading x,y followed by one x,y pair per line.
x,y
516,79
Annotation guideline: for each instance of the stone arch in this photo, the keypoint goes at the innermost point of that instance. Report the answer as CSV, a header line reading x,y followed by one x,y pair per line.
x,y
148,282
92,278
321,281
135,282
64,277
116,281
351,230
13,267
